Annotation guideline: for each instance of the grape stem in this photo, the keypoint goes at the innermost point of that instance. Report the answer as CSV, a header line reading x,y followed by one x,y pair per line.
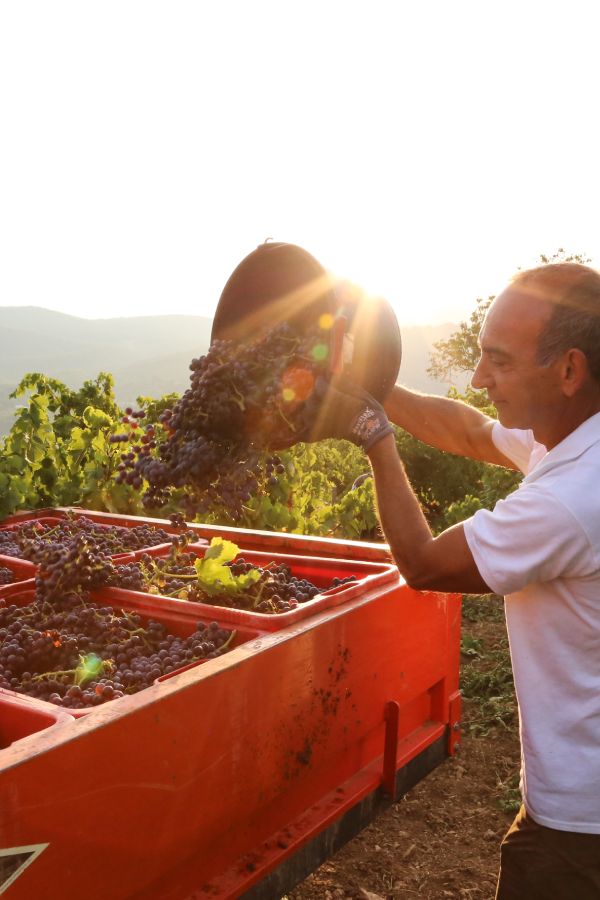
x,y
285,419
224,646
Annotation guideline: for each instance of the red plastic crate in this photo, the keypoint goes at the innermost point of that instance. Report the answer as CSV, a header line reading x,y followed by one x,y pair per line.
x,y
54,517
180,619
369,576
22,569
14,526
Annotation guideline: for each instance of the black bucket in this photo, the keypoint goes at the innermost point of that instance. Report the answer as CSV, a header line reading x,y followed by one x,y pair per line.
x,y
281,282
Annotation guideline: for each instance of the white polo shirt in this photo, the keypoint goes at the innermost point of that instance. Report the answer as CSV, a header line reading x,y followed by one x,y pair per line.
x,y
541,548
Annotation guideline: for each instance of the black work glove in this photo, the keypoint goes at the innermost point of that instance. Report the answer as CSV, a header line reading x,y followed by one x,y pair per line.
x,y
344,410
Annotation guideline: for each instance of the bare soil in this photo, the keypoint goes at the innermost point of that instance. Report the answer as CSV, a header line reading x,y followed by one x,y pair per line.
x,y
442,839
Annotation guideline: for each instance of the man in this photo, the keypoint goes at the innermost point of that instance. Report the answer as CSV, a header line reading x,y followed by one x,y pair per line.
x,y
540,364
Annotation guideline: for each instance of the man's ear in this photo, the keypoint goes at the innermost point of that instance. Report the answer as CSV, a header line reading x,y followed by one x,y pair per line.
x,y
575,371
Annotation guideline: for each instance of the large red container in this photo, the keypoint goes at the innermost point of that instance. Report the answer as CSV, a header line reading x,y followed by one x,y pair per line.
x,y
20,718
238,776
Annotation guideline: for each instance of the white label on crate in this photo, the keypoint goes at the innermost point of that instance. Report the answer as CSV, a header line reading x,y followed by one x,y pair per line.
x,y
14,861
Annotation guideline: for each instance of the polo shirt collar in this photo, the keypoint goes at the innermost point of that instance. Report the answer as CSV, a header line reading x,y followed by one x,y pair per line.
x,y
577,442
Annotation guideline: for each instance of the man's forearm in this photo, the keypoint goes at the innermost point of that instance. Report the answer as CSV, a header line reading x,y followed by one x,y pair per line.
x,y
446,424
443,563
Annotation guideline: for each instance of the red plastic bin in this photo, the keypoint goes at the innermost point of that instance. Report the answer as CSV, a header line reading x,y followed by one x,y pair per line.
x,y
319,571
180,619
54,517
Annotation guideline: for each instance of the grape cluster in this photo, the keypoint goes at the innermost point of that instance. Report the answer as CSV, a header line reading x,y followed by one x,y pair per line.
x,y
241,399
70,565
276,591
77,654
9,545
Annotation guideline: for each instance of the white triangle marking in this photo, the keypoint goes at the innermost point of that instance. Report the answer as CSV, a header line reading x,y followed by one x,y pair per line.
x,y
33,850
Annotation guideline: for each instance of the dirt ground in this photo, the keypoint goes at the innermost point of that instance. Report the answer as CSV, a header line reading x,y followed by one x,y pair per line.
x,y
442,839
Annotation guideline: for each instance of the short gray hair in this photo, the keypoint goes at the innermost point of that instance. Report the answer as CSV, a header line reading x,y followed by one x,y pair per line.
x,y
574,291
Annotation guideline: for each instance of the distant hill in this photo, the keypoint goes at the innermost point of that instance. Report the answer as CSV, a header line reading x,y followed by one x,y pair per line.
x,y
147,355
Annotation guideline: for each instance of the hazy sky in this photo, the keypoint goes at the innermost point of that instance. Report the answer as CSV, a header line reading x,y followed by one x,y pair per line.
x,y
425,149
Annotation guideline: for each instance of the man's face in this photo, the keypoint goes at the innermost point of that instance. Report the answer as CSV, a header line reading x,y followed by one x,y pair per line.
x,y
525,393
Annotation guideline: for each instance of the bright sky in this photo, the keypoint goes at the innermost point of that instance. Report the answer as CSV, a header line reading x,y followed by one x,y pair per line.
x,y
424,149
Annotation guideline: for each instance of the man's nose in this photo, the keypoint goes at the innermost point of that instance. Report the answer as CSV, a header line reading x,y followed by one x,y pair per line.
x,y
480,378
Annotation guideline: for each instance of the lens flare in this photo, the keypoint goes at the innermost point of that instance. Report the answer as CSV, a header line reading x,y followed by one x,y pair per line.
x,y
320,352
89,667
297,384
326,321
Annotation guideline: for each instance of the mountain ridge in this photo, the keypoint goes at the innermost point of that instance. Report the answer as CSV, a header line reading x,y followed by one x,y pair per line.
x,y
147,355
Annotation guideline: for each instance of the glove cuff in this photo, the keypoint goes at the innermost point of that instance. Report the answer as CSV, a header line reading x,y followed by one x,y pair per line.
x,y
369,426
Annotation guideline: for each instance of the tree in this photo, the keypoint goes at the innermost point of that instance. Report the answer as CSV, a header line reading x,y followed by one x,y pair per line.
x,y
460,352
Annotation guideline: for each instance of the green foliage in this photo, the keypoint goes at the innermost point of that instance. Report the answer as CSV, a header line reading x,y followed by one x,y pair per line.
x,y
64,404
482,608
561,255
315,495
486,673
451,488
510,797
153,407
58,453
461,351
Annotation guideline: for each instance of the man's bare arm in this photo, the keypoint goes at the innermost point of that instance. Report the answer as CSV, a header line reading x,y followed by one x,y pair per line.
x,y
446,424
443,563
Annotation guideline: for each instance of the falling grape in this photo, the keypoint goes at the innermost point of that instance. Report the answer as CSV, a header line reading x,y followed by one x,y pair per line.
x,y
241,399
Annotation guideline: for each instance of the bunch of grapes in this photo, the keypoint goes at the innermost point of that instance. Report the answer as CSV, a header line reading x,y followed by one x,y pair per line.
x,y
277,590
33,540
70,565
77,654
9,545
241,400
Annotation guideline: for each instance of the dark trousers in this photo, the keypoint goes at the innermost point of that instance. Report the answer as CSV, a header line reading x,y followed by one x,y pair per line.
x,y
539,863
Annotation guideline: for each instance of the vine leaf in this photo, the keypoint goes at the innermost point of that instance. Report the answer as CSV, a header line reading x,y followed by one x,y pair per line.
x,y
215,576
